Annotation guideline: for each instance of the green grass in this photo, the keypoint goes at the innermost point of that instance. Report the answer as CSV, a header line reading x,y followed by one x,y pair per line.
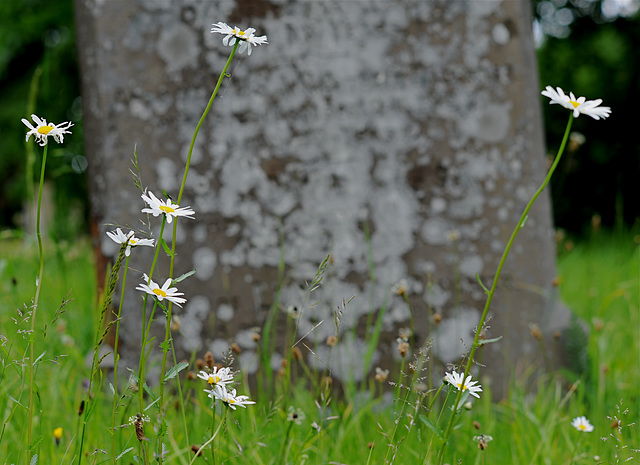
x,y
599,281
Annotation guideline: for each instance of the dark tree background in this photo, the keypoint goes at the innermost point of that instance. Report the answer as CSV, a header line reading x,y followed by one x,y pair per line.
x,y
588,47
38,51
591,48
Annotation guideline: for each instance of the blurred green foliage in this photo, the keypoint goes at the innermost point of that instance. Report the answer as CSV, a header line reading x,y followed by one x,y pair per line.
x,y
599,58
38,51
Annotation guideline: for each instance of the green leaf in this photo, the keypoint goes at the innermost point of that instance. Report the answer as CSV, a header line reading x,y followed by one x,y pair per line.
x,y
40,357
17,402
166,345
438,432
34,445
487,291
183,277
463,399
152,403
166,248
148,390
124,452
524,221
482,342
175,370
134,375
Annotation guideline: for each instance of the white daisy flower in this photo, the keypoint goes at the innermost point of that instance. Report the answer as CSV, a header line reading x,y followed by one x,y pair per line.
x,y
119,237
455,379
164,292
582,424
577,105
246,37
229,397
43,130
217,377
166,207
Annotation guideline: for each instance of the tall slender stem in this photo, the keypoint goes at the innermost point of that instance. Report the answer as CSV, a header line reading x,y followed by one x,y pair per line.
x,y
145,327
101,333
224,413
491,292
35,305
204,115
213,424
115,363
175,226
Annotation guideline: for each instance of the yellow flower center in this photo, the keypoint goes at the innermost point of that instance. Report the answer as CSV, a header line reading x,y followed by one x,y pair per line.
x,y
45,129
160,292
582,427
575,104
231,401
462,387
132,241
213,379
166,209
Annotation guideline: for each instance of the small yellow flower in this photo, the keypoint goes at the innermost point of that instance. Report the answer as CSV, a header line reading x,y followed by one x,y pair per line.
x,y
57,435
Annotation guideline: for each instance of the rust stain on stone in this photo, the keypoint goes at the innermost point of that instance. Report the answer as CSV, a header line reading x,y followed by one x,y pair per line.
x,y
273,167
420,177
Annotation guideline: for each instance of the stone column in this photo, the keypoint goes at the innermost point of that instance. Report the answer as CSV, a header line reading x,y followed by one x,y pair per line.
x,y
403,138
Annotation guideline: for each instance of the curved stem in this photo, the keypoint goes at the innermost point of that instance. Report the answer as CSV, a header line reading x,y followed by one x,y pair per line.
x,y
175,226
491,292
210,439
35,304
204,115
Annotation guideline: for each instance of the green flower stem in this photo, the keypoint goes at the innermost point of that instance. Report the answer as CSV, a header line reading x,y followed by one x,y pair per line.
x,y
204,115
175,226
573,451
183,411
115,363
35,306
213,426
195,456
491,292
285,445
393,446
145,327
101,333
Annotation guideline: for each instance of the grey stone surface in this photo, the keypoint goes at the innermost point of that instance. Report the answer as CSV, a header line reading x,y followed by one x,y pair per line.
x,y
417,119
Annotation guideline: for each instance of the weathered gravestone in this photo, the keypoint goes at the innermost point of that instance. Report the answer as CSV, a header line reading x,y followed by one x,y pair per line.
x,y
415,121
